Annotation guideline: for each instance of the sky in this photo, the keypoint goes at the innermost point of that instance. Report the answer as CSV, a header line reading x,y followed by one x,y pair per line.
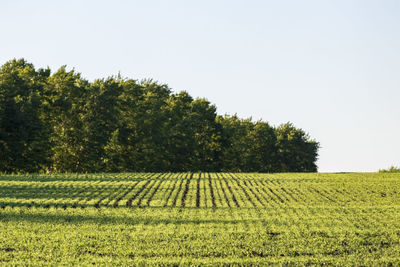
x,y
330,67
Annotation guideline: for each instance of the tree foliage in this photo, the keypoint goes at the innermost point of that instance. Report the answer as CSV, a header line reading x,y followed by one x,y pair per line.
x,y
64,123
392,169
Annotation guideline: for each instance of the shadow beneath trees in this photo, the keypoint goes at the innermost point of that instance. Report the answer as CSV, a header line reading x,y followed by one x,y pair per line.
x,y
69,217
11,178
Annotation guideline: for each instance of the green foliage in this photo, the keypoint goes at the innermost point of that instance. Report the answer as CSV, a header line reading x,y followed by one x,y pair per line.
x,y
212,219
24,133
66,95
264,154
100,121
236,155
61,122
391,169
296,152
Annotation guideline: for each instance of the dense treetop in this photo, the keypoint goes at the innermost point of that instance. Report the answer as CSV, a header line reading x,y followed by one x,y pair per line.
x,y
64,123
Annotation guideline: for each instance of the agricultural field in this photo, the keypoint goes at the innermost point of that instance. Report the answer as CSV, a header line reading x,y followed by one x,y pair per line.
x,y
200,219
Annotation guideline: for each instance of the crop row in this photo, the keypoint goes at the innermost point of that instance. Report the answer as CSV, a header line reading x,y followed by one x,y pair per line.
x,y
194,190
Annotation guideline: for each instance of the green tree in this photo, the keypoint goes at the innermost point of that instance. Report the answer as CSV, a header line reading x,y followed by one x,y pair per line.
x,y
63,123
237,145
296,151
66,94
263,152
24,135
207,133
142,124
180,142
100,120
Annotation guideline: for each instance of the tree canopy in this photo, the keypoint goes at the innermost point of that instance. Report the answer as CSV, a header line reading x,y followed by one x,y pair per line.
x,y
60,122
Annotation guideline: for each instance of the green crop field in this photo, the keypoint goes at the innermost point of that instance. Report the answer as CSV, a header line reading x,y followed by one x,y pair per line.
x,y
200,218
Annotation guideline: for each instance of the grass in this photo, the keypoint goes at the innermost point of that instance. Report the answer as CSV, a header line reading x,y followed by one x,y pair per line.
x,y
200,219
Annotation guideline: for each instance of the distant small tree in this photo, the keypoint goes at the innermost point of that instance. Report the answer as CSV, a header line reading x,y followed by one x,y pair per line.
x,y
391,169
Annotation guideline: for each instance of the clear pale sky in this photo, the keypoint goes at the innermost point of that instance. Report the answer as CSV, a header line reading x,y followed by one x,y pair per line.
x,y
330,67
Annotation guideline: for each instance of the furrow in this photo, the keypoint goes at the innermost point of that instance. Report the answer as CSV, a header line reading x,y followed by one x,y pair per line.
x,y
170,192
231,191
129,201
223,191
185,192
146,191
154,192
177,194
198,193
124,194
211,191
244,191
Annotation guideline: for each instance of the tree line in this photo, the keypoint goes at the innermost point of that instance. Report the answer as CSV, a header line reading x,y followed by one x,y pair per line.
x,y
60,122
